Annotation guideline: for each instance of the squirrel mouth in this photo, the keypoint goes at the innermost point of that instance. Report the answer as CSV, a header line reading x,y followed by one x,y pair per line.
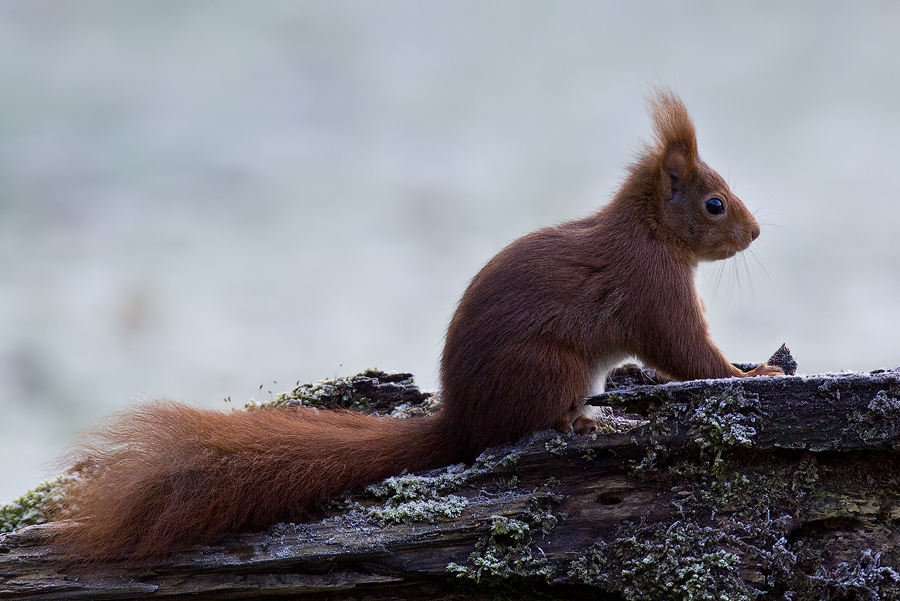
x,y
723,254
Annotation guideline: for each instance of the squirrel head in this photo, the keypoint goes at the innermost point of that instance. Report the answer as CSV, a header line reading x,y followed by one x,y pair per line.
x,y
693,205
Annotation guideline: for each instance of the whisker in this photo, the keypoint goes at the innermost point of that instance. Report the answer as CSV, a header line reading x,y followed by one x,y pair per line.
x,y
762,207
737,277
758,261
762,217
717,280
746,265
765,204
769,224
731,265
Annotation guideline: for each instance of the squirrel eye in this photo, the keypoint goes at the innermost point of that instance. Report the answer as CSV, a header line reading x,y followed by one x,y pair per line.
x,y
715,206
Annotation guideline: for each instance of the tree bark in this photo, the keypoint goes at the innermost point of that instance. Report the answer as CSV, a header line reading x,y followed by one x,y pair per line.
x,y
757,488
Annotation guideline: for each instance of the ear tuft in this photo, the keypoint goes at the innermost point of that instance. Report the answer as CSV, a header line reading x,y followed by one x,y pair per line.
x,y
676,142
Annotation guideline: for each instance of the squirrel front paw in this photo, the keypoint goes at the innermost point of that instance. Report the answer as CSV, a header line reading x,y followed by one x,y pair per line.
x,y
764,370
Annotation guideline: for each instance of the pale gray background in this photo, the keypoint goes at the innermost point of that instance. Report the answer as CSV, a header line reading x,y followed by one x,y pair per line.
x,y
197,198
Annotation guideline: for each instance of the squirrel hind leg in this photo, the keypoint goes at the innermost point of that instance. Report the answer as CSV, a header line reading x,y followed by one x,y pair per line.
x,y
578,418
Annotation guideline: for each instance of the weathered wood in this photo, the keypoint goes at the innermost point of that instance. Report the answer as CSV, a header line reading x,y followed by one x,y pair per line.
x,y
760,488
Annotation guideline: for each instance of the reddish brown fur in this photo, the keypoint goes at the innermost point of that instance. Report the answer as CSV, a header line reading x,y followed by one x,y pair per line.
x,y
171,475
548,314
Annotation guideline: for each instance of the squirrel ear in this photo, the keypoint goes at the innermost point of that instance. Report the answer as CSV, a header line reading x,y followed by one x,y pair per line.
x,y
675,161
676,142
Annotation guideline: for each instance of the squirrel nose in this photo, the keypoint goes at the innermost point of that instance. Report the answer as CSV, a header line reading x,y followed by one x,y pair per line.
x,y
754,231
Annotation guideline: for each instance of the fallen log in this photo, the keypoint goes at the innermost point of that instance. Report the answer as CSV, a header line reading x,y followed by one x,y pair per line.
x,y
757,488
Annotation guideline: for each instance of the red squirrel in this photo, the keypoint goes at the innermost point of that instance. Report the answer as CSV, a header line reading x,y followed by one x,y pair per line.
x,y
550,314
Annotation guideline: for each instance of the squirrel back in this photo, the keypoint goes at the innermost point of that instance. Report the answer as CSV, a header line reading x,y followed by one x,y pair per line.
x,y
550,314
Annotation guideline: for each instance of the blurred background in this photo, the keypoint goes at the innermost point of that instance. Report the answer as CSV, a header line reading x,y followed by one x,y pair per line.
x,y
201,200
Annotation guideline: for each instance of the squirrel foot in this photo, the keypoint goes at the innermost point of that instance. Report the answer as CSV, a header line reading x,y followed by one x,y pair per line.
x,y
579,424
583,425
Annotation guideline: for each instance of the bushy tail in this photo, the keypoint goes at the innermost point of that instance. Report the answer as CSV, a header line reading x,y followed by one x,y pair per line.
x,y
164,475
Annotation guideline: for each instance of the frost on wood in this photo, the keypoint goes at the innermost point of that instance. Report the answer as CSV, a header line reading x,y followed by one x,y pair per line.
x,y
760,488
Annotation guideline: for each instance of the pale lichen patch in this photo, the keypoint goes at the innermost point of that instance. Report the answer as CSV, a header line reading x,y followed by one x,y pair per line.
x,y
40,505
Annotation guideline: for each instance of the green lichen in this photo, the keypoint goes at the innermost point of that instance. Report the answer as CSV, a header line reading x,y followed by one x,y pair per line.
x,y
556,446
540,514
725,420
677,561
510,461
409,487
502,554
420,510
716,426
410,498
722,421
510,483
323,393
516,530
426,498
37,506
551,482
